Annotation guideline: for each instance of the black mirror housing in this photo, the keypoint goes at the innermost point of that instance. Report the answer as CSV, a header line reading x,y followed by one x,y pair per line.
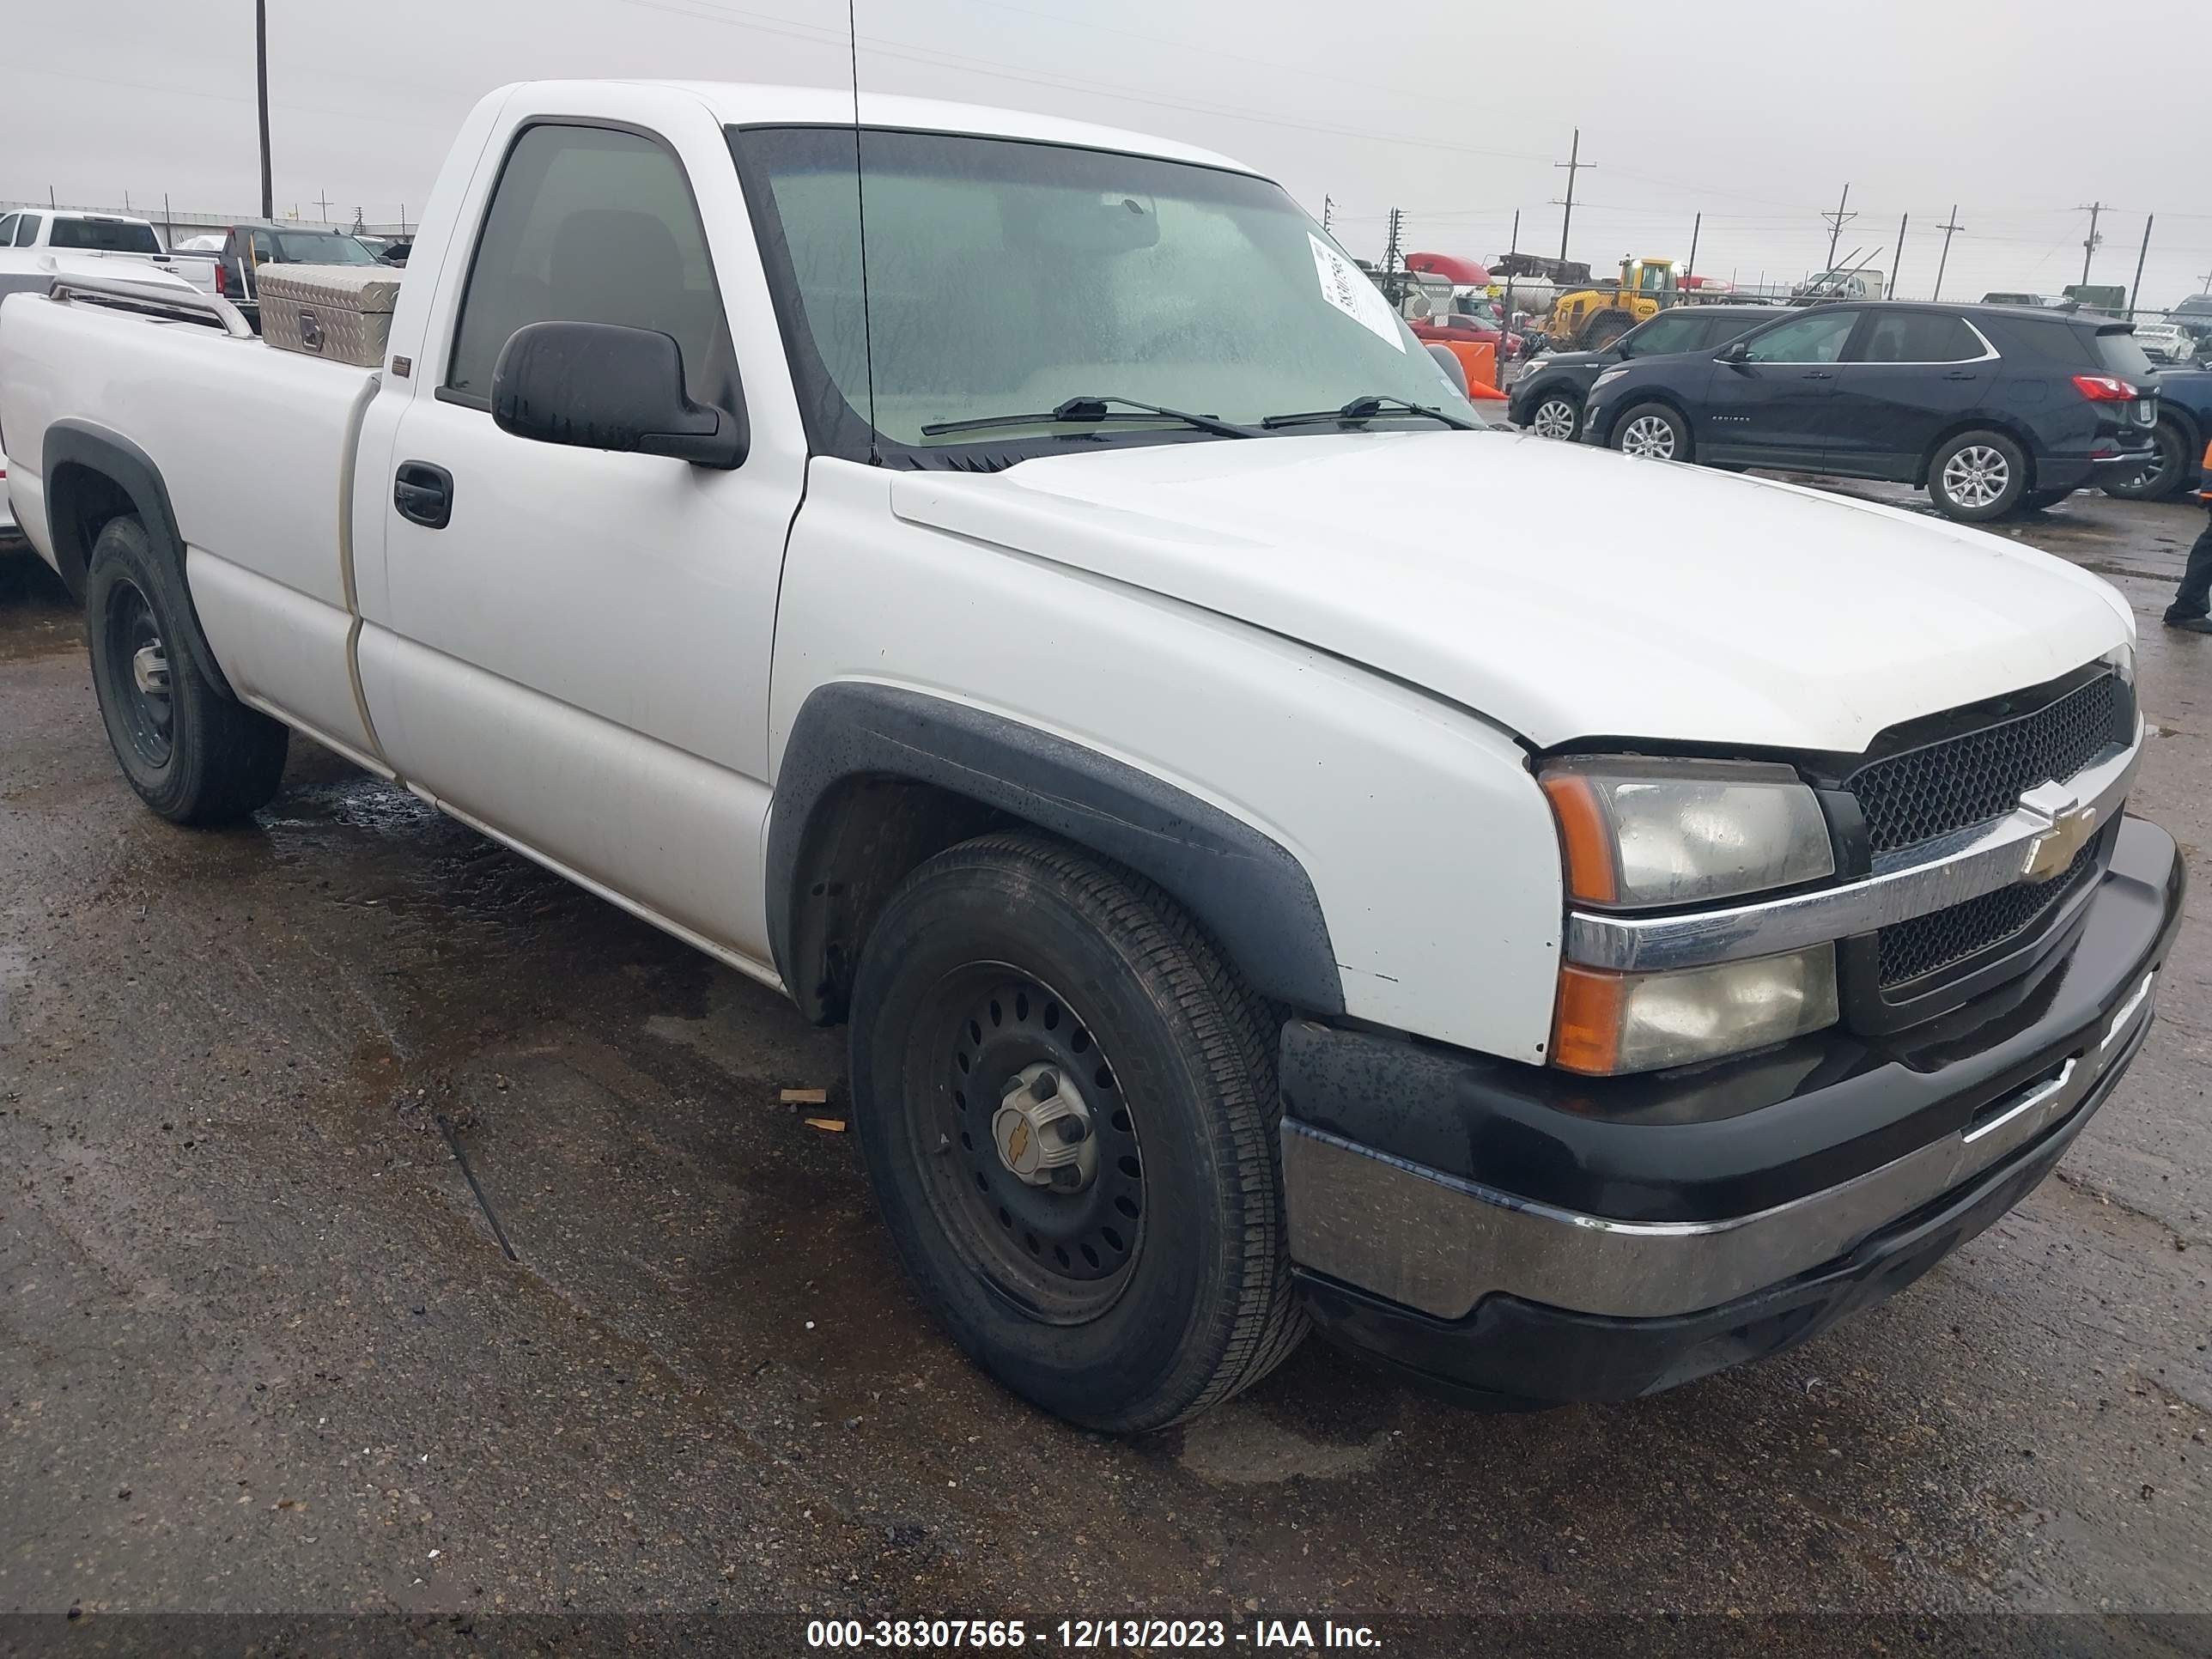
x,y
1735,351
602,386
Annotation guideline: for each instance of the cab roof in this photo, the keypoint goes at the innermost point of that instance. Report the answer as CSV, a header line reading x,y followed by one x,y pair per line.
x,y
737,103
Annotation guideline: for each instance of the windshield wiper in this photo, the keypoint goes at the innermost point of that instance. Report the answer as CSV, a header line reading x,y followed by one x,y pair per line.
x,y
1366,409
1088,410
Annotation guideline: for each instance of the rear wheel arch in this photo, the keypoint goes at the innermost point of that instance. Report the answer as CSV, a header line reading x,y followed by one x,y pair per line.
x,y
94,475
875,780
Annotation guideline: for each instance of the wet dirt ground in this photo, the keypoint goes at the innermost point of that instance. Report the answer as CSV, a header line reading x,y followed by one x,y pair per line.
x,y
261,1351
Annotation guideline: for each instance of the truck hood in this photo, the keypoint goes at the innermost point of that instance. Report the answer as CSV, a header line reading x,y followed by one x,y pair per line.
x,y
1559,591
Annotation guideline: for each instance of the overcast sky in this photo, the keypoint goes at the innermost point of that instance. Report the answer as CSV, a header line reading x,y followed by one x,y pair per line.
x,y
2018,111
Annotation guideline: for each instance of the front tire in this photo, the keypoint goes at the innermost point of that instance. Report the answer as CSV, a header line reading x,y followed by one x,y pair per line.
x,y
1978,476
194,754
1067,1105
1557,415
1652,432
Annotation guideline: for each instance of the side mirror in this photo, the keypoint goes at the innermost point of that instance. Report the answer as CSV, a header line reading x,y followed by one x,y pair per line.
x,y
601,386
1735,351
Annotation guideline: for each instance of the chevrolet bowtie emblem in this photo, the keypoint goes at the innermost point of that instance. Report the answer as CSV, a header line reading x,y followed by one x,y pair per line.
x,y
2051,850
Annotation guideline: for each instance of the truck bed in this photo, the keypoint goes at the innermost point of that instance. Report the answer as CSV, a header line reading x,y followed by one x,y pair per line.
x,y
208,408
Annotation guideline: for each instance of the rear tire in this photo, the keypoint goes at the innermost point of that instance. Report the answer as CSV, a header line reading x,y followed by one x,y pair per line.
x,y
2162,477
194,753
1124,1293
1978,476
1655,432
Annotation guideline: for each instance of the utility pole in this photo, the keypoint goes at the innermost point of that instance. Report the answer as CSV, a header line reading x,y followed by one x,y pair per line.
x,y
261,85
1689,270
323,207
1505,317
2135,294
1837,220
1327,212
1903,220
1391,285
2089,242
1949,228
1574,164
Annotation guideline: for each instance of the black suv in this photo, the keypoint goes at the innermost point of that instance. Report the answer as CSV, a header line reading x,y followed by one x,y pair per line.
x,y
1989,408
1548,399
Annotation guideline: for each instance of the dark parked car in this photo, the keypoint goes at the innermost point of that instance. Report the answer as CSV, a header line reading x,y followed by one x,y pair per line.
x,y
1548,399
2185,427
1989,408
253,243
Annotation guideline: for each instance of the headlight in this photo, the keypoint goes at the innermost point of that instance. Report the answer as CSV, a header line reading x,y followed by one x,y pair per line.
x,y
1608,1024
1612,374
1639,832
2122,658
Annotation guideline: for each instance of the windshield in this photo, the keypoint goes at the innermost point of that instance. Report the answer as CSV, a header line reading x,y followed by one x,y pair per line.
x,y
106,235
1006,277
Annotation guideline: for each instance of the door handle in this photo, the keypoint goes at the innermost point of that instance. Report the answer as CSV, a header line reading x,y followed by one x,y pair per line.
x,y
1956,375
423,493
1818,375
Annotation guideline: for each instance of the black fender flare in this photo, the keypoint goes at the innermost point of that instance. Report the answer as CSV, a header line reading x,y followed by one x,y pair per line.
x,y
78,451
1249,893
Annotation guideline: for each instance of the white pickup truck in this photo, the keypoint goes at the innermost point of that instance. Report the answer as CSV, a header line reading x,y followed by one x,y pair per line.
x,y
1562,924
130,244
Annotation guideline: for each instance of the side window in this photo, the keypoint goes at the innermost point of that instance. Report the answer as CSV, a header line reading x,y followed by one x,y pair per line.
x,y
1719,331
589,225
1816,338
1918,338
27,234
1661,335
8,229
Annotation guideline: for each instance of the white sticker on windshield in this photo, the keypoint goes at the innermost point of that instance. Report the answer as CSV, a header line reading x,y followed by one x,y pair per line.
x,y
1349,288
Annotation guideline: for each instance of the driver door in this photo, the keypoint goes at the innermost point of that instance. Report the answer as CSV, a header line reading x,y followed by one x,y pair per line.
x,y
570,647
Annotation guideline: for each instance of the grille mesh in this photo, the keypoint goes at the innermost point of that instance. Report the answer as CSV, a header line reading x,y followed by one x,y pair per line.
x,y
1911,950
1981,775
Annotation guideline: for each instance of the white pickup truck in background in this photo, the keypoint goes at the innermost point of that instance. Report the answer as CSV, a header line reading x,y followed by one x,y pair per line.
x,y
110,236
1285,853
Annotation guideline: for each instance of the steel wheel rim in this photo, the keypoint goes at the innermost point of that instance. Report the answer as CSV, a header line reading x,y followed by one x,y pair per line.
x,y
138,674
1554,418
1976,476
1648,437
1063,1256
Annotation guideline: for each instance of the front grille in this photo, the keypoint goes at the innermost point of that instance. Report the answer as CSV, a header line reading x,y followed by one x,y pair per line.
x,y
1981,775
1908,951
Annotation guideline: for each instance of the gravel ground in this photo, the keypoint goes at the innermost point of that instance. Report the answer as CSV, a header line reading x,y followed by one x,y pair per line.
x,y
260,1351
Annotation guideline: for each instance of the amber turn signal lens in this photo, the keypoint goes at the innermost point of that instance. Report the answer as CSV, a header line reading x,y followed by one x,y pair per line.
x,y
1586,1028
1585,835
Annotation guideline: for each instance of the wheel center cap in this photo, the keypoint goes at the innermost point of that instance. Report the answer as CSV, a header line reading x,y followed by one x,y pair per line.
x,y
1043,1130
150,670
